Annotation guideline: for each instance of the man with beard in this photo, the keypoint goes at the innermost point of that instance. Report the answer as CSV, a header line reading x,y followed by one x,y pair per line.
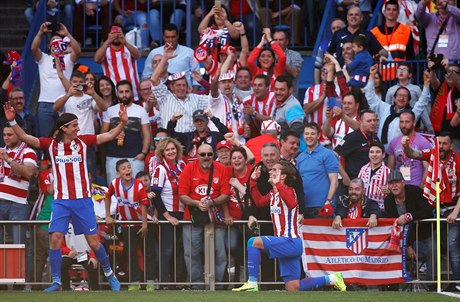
x,y
260,105
357,205
450,181
133,143
389,114
414,171
288,113
119,58
203,187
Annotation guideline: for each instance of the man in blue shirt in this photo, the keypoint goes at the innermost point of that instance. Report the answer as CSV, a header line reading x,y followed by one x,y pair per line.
x,y
319,169
183,60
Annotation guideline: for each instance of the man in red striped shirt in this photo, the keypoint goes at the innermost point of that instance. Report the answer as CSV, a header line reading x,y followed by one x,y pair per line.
x,y
18,163
71,186
119,59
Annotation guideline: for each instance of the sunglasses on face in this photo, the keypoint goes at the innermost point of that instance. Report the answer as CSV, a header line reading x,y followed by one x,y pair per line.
x,y
204,154
157,139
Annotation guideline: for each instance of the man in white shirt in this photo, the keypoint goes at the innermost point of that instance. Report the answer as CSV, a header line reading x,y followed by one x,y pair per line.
x,y
50,84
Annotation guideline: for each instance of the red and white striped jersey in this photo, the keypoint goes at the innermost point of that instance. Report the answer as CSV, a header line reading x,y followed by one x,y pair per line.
x,y
70,171
284,219
14,187
373,184
121,65
340,130
319,115
167,181
129,200
265,107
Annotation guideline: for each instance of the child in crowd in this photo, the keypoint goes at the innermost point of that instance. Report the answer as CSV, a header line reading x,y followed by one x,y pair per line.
x,y
132,205
362,62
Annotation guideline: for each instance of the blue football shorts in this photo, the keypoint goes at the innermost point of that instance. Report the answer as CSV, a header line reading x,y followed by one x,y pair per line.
x,y
288,251
80,210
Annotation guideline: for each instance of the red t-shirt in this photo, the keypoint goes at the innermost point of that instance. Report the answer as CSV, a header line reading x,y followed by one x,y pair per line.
x,y
193,182
233,206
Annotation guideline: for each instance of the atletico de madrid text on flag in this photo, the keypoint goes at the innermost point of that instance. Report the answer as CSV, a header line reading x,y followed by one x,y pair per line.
x,y
357,251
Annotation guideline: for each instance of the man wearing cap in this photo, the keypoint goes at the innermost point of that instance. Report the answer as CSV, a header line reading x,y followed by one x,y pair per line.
x,y
176,98
223,152
357,205
318,168
406,203
450,185
192,140
268,134
260,105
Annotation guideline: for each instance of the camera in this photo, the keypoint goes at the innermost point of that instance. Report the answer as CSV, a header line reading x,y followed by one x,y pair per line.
x,y
82,87
436,59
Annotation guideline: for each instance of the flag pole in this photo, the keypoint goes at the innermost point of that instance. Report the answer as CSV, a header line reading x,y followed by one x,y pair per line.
x,y
438,237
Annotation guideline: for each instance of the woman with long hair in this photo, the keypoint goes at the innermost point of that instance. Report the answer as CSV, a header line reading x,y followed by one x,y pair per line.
x,y
271,60
165,185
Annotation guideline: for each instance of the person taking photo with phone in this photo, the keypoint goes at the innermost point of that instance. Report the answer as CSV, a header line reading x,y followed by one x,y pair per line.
x,y
67,48
82,100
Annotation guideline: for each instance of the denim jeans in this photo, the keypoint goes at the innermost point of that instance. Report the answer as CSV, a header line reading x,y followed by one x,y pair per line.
x,y
138,19
46,118
14,211
193,237
167,252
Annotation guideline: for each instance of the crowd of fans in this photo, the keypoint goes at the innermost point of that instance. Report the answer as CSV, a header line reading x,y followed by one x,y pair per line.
x,y
195,146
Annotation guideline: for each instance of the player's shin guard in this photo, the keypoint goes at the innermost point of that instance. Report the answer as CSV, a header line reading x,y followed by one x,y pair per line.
x,y
312,283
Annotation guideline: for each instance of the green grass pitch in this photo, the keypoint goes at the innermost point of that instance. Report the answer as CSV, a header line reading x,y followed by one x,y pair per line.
x,y
221,296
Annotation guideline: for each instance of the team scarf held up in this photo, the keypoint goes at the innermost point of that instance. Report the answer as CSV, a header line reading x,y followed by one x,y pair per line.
x,y
59,46
211,41
13,56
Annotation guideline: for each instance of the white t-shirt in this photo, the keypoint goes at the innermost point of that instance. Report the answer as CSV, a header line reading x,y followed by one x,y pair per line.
x,y
84,108
50,84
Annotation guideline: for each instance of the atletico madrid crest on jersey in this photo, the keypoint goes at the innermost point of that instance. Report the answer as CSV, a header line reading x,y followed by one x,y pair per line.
x,y
356,239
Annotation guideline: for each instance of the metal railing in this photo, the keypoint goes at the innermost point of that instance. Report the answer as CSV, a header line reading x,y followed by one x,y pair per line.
x,y
113,242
